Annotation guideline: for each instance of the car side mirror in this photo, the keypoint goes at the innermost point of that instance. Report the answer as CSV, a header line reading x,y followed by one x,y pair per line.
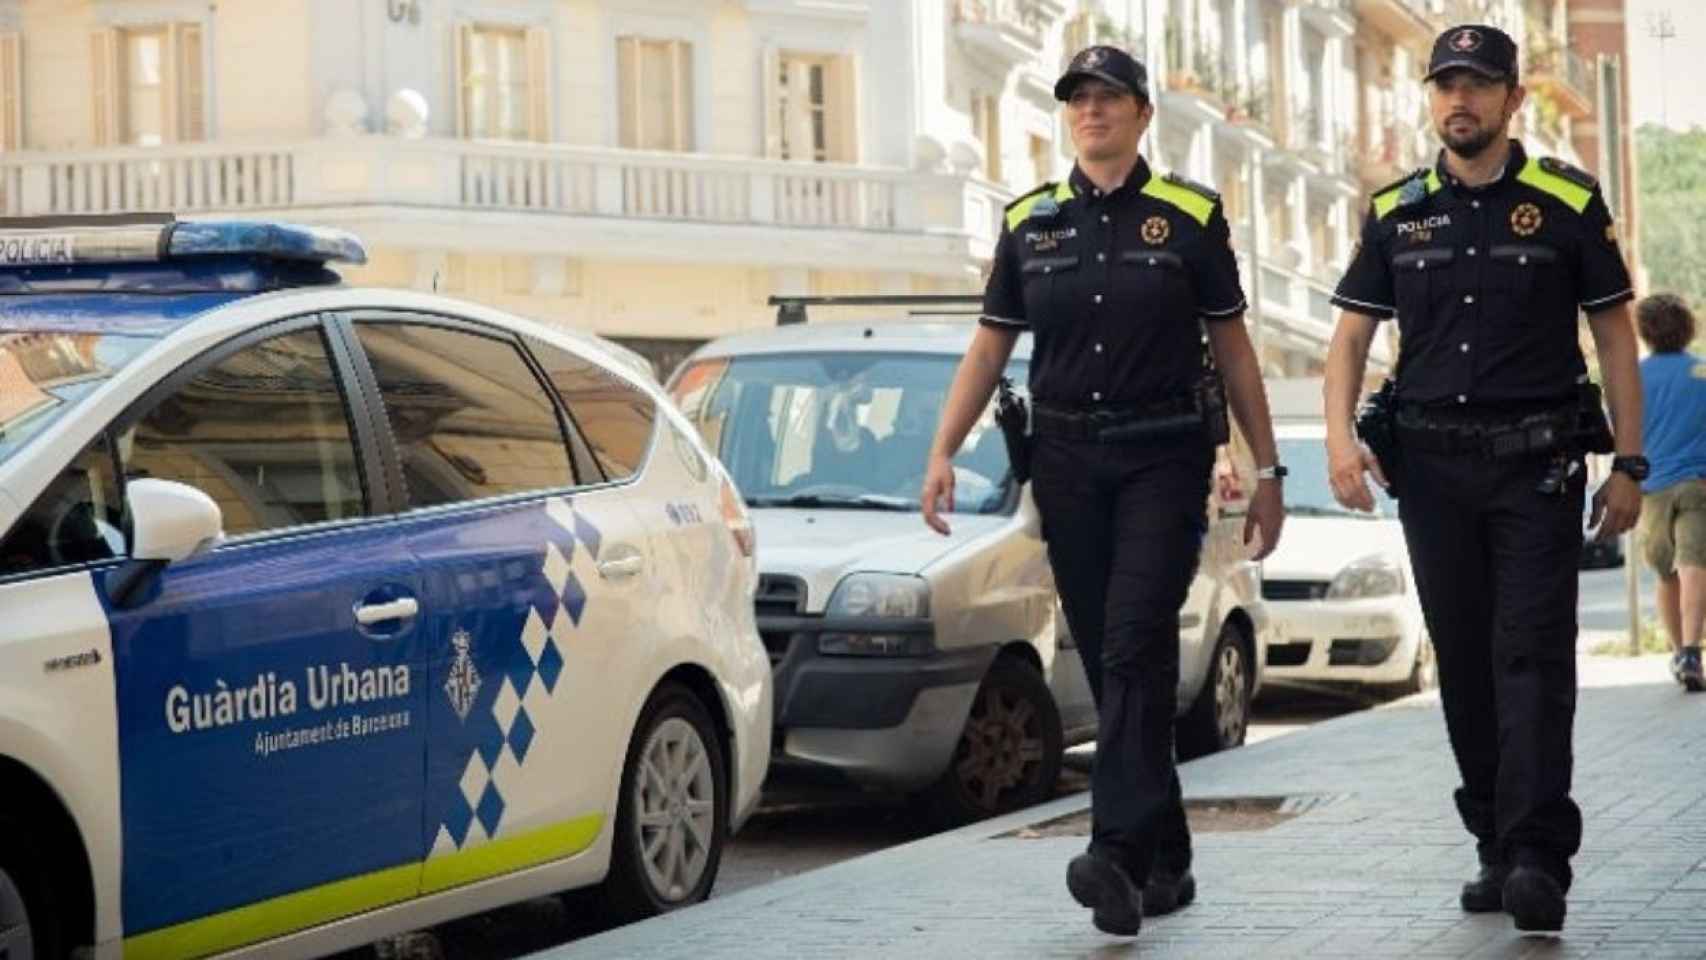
x,y
1030,519
172,521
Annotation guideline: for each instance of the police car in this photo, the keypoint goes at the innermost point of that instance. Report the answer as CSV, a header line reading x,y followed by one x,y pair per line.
x,y
329,613
908,661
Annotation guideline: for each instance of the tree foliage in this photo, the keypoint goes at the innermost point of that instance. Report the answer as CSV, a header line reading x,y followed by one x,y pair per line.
x,y
1672,188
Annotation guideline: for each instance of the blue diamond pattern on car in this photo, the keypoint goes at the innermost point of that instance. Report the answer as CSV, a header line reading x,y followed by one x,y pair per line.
x,y
491,808
550,666
574,598
500,732
521,735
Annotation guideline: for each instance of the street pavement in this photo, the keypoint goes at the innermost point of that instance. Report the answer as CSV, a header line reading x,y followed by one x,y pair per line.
x,y
1369,868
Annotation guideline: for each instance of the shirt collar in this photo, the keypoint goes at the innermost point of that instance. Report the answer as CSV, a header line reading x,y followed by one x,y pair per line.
x,y
1513,165
1083,187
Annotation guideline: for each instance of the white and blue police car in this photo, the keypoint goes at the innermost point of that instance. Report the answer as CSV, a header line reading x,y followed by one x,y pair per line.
x,y
329,613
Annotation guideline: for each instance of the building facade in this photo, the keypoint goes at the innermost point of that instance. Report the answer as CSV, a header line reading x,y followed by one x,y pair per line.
x,y
654,170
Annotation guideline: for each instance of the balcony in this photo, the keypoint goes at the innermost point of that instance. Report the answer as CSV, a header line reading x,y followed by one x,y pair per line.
x,y
1008,32
1409,22
1564,75
538,198
1297,312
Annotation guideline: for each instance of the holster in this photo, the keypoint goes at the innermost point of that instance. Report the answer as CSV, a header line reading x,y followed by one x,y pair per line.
x,y
1014,420
1377,426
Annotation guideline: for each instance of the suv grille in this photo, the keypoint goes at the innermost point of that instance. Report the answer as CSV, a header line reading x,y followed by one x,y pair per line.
x,y
1294,589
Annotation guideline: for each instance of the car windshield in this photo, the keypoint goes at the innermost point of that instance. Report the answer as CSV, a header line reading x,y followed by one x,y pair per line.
x,y
1307,493
44,374
845,430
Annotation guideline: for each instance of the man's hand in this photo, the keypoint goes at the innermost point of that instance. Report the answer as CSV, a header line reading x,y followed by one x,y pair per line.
x,y
937,496
1265,517
1616,507
1347,461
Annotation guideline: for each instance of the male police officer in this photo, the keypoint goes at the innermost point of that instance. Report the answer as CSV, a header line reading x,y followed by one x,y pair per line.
x,y
1115,272
1485,259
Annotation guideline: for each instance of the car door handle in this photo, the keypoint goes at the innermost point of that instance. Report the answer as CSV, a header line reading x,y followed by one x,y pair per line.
x,y
373,613
622,567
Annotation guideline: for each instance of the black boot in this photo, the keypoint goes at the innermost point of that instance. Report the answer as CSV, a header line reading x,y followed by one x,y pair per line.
x,y
1167,891
1105,887
1534,899
1486,893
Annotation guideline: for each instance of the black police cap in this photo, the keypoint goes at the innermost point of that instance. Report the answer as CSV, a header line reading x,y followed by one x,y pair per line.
x,y
1486,50
1108,64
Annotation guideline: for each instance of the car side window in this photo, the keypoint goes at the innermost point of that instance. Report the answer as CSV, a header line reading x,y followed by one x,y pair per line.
x,y
469,416
77,519
615,417
265,432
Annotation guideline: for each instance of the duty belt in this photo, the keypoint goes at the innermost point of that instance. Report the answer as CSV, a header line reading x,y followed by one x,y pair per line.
x,y
1495,439
1169,417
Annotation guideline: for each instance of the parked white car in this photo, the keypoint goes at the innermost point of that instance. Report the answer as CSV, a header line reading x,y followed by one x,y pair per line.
x,y
330,613
1339,588
906,660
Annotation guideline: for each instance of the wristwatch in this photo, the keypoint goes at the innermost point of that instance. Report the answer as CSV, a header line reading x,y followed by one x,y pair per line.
x,y
1275,472
1635,465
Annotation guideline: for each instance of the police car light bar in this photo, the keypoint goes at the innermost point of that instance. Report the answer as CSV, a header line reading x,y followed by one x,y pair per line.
x,y
793,309
67,241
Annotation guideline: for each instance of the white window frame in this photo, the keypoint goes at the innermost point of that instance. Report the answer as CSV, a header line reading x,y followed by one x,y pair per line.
x,y
684,58
682,22
116,15
846,36
534,18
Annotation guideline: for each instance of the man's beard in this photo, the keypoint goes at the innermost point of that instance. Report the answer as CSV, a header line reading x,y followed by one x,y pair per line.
x,y
1470,145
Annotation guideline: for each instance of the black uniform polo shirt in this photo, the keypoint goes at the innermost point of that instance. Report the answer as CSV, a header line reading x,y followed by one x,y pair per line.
x,y
1487,282
1113,286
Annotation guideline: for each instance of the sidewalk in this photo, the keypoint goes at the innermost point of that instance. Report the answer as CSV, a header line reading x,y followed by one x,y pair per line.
x,y
1371,869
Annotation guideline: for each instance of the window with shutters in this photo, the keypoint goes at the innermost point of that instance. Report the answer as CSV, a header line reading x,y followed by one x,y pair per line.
x,y
813,108
655,83
505,86
11,92
149,84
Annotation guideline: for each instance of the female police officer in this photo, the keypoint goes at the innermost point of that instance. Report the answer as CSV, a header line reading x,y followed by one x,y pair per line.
x,y
1115,271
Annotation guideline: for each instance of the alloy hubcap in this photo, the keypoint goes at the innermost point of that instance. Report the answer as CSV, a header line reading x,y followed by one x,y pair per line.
x,y
15,940
1229,695
1002,747
676,808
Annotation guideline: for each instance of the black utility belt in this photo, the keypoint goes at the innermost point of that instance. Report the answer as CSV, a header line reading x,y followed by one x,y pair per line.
x,y
1541,433
1168,418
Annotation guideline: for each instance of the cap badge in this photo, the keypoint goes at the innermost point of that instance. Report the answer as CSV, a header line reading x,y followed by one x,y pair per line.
x,y
1525,220
1155,231
1092,58
1466,40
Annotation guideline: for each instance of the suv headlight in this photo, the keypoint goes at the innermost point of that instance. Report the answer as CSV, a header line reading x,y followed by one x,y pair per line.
x,y
880,595
877,597
1376,575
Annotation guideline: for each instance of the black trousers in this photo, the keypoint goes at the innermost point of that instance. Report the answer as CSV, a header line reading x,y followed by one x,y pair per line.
x,y
1124,524
1496,566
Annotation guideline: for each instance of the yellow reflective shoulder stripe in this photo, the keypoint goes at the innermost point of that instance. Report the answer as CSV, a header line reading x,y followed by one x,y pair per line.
x,y
1574,195
1017,213
1198,206
1385,203
292,912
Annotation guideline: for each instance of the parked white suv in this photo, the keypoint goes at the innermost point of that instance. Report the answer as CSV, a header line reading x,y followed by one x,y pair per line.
x,y
903,659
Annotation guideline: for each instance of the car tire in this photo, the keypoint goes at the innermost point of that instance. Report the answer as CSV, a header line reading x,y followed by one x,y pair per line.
x,y
1008,755
31,905
1220,716
665,852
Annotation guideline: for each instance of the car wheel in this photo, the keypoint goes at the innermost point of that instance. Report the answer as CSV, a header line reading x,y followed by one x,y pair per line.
x,y
1424,673
672,811
27,927
1008,756
1220,715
